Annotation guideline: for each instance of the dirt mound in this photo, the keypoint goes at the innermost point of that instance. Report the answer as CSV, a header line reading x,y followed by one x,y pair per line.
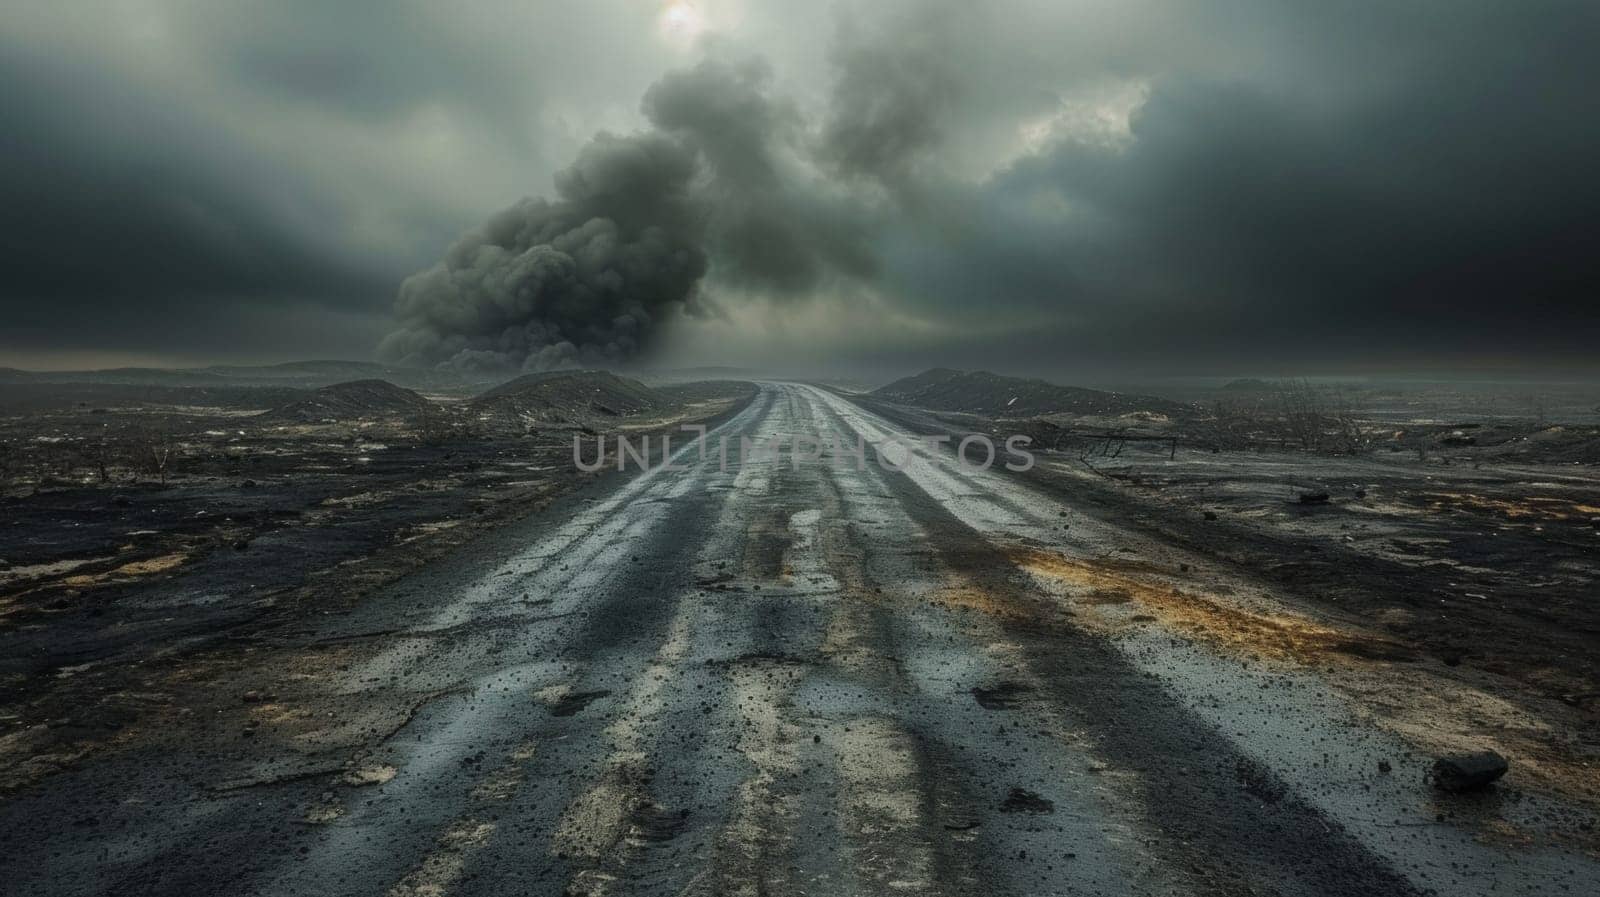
x,y
991,395
569,398
350,401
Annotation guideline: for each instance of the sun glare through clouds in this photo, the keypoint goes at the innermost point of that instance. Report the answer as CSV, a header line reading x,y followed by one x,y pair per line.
x,y
681,21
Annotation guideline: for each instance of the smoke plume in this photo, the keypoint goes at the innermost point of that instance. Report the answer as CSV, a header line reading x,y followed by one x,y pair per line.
x,y
582,279
719,183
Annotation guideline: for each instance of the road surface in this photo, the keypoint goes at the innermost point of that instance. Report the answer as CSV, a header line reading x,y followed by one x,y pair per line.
x,y
790,679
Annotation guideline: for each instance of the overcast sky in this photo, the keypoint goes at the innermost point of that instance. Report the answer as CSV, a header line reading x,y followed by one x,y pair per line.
x,y
1139,186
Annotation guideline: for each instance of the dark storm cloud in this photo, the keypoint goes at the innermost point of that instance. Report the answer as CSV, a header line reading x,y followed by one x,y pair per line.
x,y
107,230
206,180
1390,196
1134,182
894,88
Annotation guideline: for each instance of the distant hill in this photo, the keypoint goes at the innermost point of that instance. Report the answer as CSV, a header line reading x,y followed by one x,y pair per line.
x,y
120,377
1247,384
351,401
28,396
704,373
993,395
302,374
569,398
328,373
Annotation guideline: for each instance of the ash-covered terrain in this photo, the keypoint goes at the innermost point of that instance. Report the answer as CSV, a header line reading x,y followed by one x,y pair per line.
x,y
150,519
1462,519
1256,637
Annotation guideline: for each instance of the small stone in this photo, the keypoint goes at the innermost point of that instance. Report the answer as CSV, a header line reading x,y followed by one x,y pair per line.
x,y
1021,800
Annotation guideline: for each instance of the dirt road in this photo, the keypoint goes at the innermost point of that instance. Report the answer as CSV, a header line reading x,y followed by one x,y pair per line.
x,y
791,679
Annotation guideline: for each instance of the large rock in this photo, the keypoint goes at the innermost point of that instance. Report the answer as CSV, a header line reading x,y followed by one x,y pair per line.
x,y
1468,772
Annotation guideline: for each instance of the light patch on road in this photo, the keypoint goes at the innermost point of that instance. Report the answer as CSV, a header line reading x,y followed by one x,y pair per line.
x,y
882,800
592,825
552,694
369,774
442,869
753,847
327,810
644,701
849,641
501,784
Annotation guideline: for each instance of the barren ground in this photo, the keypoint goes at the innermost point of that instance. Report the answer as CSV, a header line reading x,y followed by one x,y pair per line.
x,y
801,679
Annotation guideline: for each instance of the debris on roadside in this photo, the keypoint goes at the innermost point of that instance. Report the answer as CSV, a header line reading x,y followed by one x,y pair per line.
x,y
1002,696
1021,800
1314,498
571,704
1468,772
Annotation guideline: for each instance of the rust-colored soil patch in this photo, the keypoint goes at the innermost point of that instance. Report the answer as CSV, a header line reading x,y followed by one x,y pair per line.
x,y
1439,715
44,580
146,567
1533,507
990,603
1277,636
